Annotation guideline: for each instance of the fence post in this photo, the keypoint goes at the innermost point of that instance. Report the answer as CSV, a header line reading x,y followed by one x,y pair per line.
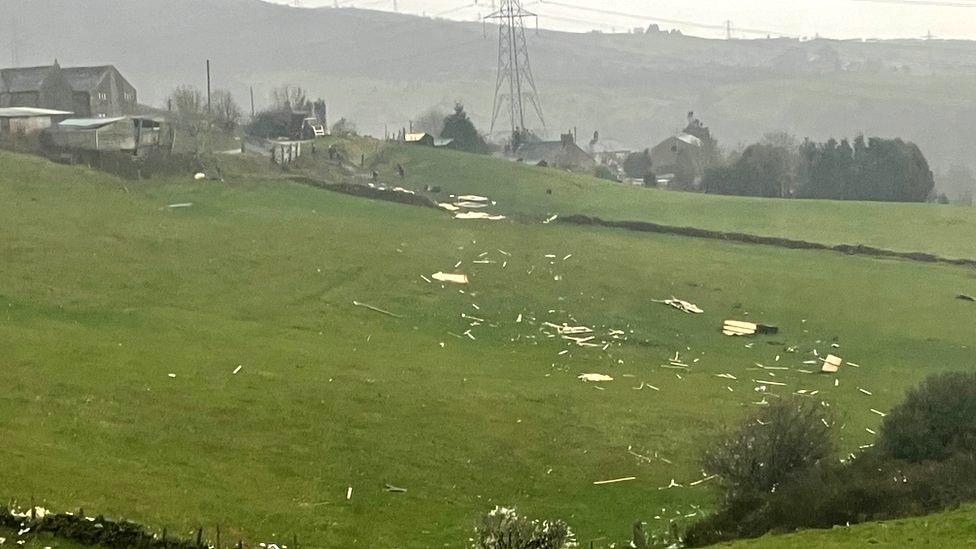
x,y
218,536
199,537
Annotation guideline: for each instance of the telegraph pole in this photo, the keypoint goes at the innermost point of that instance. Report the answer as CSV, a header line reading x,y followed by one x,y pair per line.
x,y
208,86
514,71
728,29
252,101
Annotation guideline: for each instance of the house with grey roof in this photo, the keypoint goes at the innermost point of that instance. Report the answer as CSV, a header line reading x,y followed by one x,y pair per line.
x,y
91,92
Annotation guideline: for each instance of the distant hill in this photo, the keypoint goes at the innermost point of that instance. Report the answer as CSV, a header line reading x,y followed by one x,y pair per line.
x,y
383,69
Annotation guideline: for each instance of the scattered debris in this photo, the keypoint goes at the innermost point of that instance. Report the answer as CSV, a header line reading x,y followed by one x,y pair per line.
x,y
449,207
879,412
452,278
865,391
478,215
550,219
349,493
594,377
612,481
681,305
199,176
740,328
473,198
238,369
395,489
375,309
180,205
832,364
172,375
965,297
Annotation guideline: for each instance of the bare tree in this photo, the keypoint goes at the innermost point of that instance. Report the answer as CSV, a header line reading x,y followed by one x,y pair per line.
x,y
431,121
187,101
289,97
226,111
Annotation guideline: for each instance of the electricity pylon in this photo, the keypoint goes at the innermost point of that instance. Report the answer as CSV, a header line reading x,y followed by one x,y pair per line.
x,y
515,86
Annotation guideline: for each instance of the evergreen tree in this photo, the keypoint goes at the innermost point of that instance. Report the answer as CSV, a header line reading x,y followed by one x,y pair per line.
x,y
460,128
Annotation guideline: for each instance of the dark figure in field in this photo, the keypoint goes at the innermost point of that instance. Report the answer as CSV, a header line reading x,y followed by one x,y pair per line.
x,y
548,191
376,175
400,171
332,152
362,160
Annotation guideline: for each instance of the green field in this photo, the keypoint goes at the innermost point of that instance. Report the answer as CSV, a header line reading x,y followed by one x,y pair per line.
x,y
105,292
943,230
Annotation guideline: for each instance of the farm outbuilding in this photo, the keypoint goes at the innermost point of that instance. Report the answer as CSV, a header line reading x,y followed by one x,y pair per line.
x,y
28,120
424,139
127,133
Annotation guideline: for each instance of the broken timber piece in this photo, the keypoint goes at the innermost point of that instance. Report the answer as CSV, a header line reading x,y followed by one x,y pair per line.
x,y
395,489
376,309
594,377
740,328
832,364
963,297
452,278
681,305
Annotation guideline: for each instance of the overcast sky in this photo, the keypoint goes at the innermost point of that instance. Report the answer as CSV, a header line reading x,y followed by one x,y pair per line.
x,y
750,18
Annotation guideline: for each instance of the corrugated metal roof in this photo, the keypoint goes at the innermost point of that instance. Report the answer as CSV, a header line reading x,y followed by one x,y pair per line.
x,y
24,112
88,123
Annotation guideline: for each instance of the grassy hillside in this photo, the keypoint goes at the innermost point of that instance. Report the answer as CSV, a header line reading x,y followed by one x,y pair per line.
x,y
518,189
950,529
124,320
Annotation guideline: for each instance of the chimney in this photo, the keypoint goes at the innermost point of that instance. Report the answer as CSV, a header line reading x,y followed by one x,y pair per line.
x,y
567,139
691,118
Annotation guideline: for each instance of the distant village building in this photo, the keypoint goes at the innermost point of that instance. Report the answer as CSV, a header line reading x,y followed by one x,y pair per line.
x,y
564,154
28,120
90,92
680,160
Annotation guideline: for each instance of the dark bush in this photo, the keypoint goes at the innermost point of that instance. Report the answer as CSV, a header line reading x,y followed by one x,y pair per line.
x,y
769,447
936,420
604,172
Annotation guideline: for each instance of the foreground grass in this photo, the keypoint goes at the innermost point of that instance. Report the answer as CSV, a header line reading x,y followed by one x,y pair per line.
x,y
950,529
519,189
105,292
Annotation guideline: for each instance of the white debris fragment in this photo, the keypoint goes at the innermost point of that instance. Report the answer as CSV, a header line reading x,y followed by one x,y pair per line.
x,y
452,278
865,391
832,364
879,412
550,219
681,305
238,369
613,481
180,205
349,493
519,319
478,215
448,207
473,198
172,375
594,377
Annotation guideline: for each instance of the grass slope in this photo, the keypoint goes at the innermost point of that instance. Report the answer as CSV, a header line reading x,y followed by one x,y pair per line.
x,y
105,291
519,189
950,529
